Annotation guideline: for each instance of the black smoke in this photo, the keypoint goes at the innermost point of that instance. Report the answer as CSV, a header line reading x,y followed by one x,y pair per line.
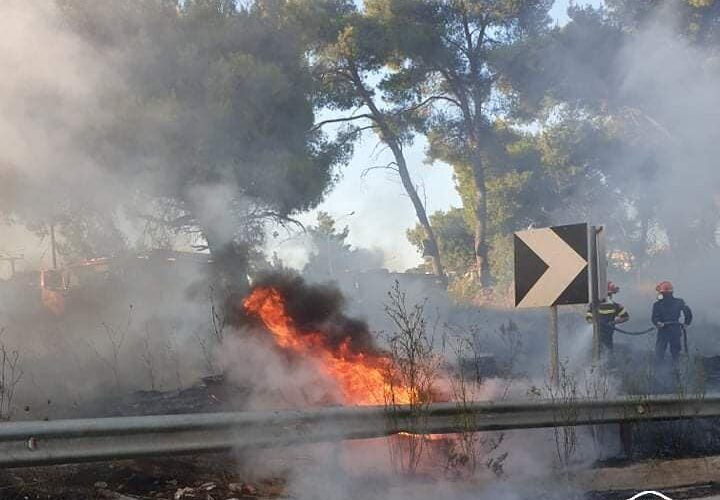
x,y
317,308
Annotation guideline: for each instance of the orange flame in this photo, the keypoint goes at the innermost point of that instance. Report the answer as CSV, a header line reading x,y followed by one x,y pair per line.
x,y
361,377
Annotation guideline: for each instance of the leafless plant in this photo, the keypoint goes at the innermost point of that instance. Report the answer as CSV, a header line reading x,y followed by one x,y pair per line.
x,y
10,375
689,384
148,358
210,340
173,354
412,373
472,449
468,449
564,393
218,320
597,387
511,340
116,338
464,451
206,348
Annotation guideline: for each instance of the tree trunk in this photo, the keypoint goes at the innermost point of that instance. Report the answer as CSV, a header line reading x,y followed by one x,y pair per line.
x,y
476,135
482,258
230,274
420,211
386,135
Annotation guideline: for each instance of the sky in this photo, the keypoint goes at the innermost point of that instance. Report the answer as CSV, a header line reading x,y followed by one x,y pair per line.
x,y
374,205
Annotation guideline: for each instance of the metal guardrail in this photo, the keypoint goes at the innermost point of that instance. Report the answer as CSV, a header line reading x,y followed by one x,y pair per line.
x,y
88,440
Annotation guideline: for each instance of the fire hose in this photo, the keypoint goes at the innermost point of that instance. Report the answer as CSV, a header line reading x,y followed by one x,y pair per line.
x,y
643,332
683,327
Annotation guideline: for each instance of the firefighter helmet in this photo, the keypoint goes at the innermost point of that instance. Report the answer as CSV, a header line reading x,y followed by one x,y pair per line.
x,y
664,287
612,288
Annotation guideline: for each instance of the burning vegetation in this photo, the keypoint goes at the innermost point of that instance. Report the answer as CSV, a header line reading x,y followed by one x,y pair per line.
x,y
362,373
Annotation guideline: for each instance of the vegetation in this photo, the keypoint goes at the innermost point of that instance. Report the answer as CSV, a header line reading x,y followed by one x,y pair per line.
x,y
413,374
350,49
205,119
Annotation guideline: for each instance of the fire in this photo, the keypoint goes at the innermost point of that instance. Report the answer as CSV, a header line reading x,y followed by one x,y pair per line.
x,y
361,377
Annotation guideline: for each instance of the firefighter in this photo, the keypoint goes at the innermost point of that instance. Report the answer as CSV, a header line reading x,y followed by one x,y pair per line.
x,y
666,318
610,313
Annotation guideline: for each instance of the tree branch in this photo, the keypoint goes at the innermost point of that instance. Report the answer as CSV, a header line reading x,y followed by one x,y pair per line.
x,y
428,101
390,166
281,219
318,126
362,129
457,46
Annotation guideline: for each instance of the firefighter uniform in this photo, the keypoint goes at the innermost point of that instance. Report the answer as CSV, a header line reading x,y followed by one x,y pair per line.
x,y
666,317
609,312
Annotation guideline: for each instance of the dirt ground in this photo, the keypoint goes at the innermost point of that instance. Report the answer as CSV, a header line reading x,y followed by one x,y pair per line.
x,y
201,478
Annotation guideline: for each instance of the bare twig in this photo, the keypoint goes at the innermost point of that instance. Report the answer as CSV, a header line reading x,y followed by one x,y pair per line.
x,y
116,338
10,375
174,355
389,166
565,392
148,358
412,373
209,342
427,101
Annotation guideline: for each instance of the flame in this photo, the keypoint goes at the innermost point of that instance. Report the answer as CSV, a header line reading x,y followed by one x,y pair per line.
x,y
425,437
361,377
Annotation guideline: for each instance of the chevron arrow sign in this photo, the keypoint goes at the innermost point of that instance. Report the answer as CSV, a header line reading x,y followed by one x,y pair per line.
x,y
551,266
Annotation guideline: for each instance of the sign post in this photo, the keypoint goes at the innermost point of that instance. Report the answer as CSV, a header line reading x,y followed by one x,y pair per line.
x,y
554,349
598,283
594,296
551,269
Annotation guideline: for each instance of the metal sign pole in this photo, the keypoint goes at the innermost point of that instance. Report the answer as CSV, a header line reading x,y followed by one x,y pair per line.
x,y
554,354
593,264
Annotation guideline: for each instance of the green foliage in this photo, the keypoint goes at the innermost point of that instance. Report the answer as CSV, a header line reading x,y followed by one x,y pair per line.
x,y
200,94
449,66
455,240
349,56
332,258
518,193
325,228
206,112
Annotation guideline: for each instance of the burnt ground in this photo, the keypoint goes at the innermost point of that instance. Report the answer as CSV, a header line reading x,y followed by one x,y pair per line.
x,y
212,477
217,477
691,438
207,477
211,394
